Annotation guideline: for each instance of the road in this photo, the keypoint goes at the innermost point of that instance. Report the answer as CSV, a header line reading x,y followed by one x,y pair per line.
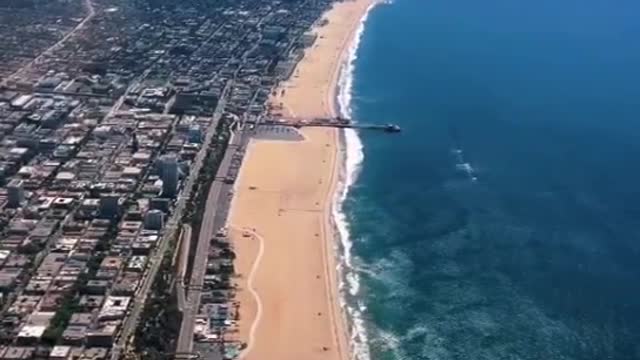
x,y
183,258
91,13
131,321
214,218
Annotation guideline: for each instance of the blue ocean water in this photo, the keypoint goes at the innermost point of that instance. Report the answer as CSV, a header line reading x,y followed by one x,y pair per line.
x,y
504,221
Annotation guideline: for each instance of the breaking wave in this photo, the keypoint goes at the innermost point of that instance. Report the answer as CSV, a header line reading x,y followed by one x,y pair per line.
x,y
353,157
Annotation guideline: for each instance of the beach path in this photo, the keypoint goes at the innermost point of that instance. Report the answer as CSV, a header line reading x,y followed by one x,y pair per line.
x,y
285,209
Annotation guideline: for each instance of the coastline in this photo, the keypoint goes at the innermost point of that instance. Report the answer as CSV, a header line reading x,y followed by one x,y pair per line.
x,y
350,151
321,74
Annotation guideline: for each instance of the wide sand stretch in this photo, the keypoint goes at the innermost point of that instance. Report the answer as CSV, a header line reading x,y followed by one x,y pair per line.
x,y
288,283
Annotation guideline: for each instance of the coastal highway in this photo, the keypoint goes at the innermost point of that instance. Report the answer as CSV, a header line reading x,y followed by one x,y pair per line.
x,y
183,255
131,321
214,218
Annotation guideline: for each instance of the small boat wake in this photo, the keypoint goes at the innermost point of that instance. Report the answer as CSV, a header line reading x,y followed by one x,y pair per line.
x,y
463,166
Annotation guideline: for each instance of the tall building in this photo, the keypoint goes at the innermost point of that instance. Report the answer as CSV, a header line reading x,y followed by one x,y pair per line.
x,y
109,205
160,204
195,134
15,193
154,220
169,174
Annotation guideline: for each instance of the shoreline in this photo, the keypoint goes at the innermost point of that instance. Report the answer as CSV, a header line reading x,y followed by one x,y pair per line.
x,y
350,151
335,243
329,147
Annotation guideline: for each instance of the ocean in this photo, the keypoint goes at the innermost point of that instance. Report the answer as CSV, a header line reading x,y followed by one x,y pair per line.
x,y
504,221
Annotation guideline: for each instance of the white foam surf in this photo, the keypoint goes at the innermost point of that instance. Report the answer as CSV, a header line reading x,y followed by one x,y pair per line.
x,y
352,163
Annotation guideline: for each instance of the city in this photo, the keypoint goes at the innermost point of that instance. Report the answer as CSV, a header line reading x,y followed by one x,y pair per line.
x,y
123,124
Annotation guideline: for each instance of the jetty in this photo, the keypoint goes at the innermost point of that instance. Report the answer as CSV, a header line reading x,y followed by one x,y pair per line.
x,y
336,122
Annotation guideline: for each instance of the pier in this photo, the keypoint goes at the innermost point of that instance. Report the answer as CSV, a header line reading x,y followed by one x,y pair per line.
x,y
337,122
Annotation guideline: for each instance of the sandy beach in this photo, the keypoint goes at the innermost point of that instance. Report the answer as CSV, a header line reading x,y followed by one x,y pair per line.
x,y
280,217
